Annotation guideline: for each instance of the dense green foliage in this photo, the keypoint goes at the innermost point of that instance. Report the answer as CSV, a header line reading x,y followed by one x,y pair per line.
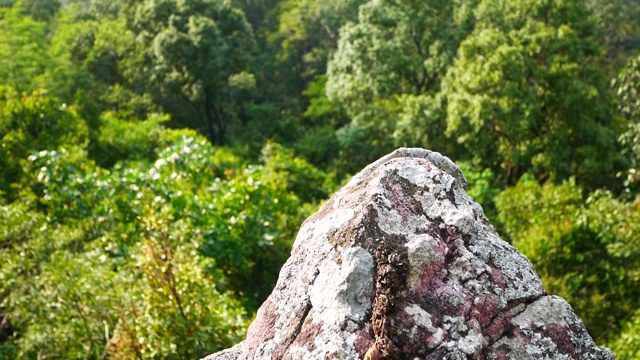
x,y
527,83
157,157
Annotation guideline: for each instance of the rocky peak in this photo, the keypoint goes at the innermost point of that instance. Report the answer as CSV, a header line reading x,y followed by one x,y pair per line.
x,y
402,264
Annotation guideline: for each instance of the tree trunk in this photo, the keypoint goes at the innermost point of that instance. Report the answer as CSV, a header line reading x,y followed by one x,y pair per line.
x,y
209,118
221,122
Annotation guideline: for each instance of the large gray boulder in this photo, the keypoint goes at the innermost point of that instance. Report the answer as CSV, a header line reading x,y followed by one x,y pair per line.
x,y
402,264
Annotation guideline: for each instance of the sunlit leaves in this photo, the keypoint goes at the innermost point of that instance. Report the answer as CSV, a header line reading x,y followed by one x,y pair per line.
x,y
23,46
627,344
147,259
173,307
196,48
387,70
627,88
53,290
66,295
525,94
31,123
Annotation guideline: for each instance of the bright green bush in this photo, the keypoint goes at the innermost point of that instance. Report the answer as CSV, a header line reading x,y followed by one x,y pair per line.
x,y
128,139
30,123
148,260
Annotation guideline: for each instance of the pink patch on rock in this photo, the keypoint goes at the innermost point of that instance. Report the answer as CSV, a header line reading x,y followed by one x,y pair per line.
x,y
486,307
499,324
400,198
262,328
497,278
364,340
558,335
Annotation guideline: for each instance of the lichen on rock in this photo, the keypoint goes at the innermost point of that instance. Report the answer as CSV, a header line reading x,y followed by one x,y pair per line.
x,y
402,264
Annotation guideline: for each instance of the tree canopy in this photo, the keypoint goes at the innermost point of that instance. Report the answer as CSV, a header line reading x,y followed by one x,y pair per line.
x,y
157,157
526,79
200,52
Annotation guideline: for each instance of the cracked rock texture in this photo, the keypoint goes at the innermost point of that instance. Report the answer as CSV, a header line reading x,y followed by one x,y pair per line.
x,y
402,264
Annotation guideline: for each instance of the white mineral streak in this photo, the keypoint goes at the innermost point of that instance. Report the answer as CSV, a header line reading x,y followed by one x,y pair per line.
x,y
343,292
319,228
549,309
421,318
473,342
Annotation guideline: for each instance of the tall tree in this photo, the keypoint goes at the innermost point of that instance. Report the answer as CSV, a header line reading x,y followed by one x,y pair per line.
x,y
41,10
618,22
627,87
200,51
23,47
526,94
308,32
389,65
99,63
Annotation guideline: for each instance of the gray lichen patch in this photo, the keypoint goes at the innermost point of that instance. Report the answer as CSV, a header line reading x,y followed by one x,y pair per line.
x,y
402,263
344,292
423,251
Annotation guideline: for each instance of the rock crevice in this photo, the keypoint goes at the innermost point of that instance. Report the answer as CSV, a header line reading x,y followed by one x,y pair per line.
x,y
402,263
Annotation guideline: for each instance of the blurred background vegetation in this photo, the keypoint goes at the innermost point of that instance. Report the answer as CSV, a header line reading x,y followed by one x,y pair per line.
x,y
158,156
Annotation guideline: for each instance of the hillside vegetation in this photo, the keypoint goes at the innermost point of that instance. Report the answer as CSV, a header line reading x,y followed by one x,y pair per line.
x,y
158,156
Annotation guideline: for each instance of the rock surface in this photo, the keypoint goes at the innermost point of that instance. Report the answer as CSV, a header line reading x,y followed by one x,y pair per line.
x,y
402,264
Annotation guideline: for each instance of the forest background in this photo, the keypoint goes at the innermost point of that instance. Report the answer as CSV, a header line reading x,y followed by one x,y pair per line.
x,y
158,156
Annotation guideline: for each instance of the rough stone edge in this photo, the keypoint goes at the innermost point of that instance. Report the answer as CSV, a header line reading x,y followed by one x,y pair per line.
x,y
442,162
232,353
